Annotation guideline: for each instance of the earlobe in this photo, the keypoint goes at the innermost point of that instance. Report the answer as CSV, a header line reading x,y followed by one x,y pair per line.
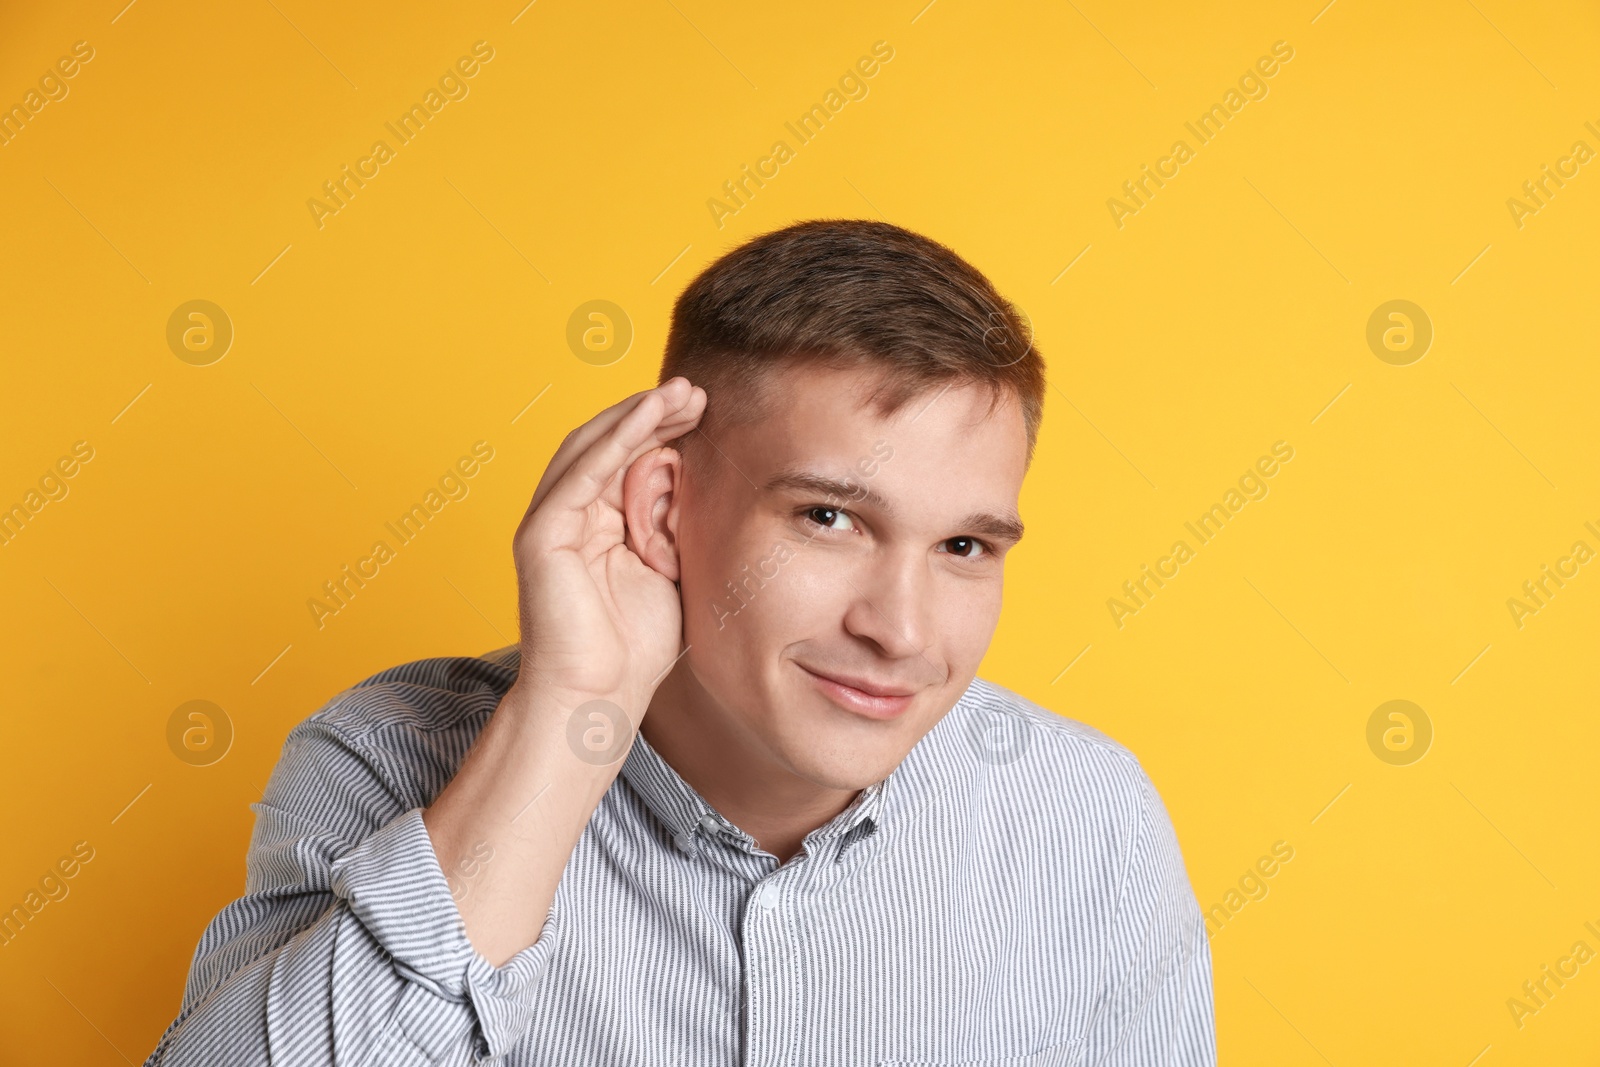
x,y
648,489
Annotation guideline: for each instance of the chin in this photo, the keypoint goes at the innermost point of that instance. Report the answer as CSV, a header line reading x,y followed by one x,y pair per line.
x,y
840,756
852,775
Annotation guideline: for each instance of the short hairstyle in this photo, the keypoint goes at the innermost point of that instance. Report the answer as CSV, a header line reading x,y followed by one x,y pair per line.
x,y
847,293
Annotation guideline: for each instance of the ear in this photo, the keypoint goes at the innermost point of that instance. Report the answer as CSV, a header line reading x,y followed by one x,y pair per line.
x,y
649,519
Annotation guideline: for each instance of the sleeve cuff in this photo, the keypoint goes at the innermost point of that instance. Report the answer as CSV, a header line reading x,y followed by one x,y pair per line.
x,y
393,884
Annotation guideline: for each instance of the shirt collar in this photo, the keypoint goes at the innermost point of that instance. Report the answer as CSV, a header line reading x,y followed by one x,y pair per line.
x,y
686,813
915,786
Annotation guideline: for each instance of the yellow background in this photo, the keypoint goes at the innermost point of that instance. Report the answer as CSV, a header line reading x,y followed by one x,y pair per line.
x,y
1226,315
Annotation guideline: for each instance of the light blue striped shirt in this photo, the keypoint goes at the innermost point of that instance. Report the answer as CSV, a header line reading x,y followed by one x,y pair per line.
x,y
1011,895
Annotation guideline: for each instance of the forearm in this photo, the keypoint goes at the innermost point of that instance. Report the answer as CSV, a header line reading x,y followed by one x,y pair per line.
x,y
506,825
382,975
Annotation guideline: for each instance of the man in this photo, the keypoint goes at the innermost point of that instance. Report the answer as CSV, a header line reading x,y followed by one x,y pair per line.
x,y
737,796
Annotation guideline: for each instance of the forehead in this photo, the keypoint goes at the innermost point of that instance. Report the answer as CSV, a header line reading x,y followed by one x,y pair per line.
x,y
943,450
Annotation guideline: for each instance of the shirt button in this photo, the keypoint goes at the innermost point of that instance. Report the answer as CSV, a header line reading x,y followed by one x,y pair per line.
x,y
765,897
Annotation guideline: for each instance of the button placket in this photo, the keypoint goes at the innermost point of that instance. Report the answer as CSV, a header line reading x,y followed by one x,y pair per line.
x,y
768,959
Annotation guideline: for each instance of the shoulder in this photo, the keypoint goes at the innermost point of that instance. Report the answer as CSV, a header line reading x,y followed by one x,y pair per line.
x,y
1081,797
1018,728
425,695
412,723
1048,760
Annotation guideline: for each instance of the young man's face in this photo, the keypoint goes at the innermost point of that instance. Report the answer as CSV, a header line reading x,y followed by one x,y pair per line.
x,y
902,594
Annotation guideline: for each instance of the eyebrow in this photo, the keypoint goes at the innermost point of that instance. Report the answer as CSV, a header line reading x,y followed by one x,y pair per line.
x,y
1004,529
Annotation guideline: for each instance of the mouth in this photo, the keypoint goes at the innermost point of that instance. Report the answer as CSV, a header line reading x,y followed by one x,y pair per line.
x,y
861,696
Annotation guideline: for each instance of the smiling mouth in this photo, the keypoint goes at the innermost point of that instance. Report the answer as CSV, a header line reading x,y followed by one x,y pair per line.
x,y
862,697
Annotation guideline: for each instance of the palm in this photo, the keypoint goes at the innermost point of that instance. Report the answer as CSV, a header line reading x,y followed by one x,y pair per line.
x,y
596,619
599,613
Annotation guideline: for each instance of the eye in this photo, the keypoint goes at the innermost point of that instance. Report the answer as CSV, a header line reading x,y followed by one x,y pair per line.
x,y
829,517
969,547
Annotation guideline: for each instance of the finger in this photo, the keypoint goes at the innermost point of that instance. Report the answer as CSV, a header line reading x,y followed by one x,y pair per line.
x,y
574,444
583,438
682,418
580,439
645,426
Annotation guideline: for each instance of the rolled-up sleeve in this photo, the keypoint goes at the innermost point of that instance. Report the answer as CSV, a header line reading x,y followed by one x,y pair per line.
x,y
347,947
1156,1007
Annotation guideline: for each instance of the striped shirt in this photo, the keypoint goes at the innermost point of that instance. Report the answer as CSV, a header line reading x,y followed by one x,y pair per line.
x,y
1011,895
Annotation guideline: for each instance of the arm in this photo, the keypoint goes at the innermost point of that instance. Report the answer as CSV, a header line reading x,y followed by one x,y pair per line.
x,y
1156,1009
347,947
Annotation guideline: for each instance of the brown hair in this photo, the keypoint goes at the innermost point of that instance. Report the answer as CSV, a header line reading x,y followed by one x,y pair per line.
x,y
847,293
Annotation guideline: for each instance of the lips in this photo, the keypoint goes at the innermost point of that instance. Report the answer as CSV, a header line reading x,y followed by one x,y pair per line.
x,y
873,699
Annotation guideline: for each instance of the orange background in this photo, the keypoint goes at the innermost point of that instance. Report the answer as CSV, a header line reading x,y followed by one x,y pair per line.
x,y
1229,312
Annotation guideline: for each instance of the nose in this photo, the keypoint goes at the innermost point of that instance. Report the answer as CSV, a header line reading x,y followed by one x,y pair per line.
x,y
890,605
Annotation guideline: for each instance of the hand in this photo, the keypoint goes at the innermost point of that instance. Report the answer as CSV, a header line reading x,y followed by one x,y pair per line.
x,y
597,621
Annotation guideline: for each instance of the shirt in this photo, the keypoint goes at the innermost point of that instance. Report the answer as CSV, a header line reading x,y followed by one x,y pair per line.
x,y
1012,894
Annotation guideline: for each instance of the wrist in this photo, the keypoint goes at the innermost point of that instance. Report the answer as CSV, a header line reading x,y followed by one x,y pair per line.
x,y
534,689
598,730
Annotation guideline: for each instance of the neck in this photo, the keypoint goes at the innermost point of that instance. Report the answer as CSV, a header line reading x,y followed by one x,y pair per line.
x,y
727,764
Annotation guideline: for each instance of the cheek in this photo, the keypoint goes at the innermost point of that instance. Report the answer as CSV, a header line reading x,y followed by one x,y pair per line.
x,y
766,595
965,620
735,586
